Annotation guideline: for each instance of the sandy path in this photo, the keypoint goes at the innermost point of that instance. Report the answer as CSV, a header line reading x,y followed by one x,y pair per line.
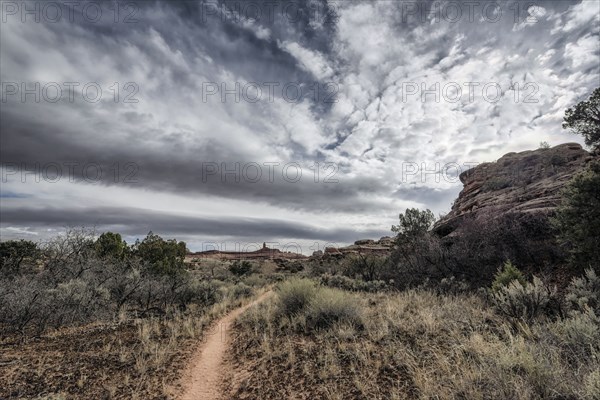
x,y
204,378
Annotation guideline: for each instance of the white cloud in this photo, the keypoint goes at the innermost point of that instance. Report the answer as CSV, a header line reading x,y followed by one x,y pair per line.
x,y
309,60
584,53
579,16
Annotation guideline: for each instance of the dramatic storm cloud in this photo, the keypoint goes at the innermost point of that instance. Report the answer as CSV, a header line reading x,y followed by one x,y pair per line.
x,y
292,122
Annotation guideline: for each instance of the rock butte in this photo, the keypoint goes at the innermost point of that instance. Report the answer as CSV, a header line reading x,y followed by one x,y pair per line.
x,y
265,253
525,182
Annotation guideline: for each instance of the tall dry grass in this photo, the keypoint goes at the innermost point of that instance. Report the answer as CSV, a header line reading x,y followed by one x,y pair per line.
x,y
414,345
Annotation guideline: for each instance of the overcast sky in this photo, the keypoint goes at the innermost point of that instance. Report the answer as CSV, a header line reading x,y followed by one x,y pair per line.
x,y
287,122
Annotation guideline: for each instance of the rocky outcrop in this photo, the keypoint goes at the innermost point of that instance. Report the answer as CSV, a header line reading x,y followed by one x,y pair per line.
x,y
382,246
525,182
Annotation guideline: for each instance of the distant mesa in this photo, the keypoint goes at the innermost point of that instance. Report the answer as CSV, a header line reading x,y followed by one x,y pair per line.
x,y
382,246
265,253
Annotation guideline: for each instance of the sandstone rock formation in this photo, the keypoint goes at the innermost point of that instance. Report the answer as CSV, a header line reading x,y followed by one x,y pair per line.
x,y
525,182
382,246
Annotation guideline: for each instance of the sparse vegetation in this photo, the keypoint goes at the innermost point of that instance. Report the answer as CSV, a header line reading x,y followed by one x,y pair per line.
x,y
95,318
493,184
414,344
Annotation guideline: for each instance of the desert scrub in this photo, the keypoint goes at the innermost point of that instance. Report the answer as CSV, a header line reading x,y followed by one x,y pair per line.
x,y
131,357
584,292
241,290
592,385
415,345
498,183
294,295
524,302
578,336
354,285
506,275
307,306
331,306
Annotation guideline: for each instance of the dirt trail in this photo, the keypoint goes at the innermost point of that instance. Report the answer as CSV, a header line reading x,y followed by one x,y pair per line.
x,y
204,377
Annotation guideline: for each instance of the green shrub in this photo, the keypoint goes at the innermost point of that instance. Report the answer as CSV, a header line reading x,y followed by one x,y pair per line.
x,y
353,285
164,257
330,306
578,217
495,184
14,253
507,274
240,268
369,267
579,335
452,286
275,277
111,244
524,302
557,160
241,290
295,295
584,293
257,280
592,385
199,292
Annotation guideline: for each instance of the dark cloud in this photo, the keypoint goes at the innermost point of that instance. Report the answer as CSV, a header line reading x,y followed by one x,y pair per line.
x,y
197,169
138,222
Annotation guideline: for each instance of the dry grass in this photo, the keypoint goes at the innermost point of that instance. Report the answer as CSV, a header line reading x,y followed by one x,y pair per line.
x,y
415,345
127,359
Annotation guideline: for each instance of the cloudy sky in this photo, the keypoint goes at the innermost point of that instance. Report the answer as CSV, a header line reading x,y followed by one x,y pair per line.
x,y
307,122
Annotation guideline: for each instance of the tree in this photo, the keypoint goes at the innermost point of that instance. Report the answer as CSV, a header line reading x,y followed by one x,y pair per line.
x,y
584,119
110,244
165,257
416,251
369,267
240,268
413,223
578,217
14,252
